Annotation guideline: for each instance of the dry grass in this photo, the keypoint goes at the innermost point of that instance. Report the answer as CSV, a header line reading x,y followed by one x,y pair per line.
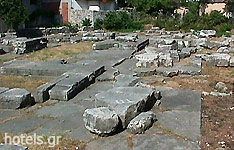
x,y
21,82
62,52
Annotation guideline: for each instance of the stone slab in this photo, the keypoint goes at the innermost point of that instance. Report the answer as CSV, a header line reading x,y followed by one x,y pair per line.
x,y
184,123
22,125
162,142
114,143
12,147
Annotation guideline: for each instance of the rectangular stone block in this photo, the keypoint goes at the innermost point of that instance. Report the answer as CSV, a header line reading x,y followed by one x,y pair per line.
x,y
68,88
41,94
15,98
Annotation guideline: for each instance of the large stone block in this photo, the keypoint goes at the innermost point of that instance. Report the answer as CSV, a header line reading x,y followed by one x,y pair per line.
x,y
15,98
217,59
104,45
3,89
128,102
41,94
102,120
68,88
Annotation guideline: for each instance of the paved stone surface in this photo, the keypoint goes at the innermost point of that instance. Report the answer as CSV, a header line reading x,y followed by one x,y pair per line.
x,y
183,123
155,142
22,125
119,143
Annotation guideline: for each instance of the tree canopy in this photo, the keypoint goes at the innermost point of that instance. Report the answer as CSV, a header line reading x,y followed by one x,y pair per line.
x,y
154,6
13,12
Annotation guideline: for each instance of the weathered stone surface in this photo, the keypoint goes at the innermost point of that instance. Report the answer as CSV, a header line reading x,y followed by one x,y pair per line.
x,y
102,120
189,70
141,123
165,59
15,98
12,147
217,59
185,52
41,94
29,45
168,72
104,44
185,123
126,80
3,89
113,143
225,50
128,38
126,103
162,142
197,62
207,33
68,88
144,72
147,60
232,62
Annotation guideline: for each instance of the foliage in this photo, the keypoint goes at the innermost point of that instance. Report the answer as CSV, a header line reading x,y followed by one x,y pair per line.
x,y
13,12
154,6
230,5
98,24
122,20
86,22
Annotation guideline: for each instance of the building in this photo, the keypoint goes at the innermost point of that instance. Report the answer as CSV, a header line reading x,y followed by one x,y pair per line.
x,y
74,11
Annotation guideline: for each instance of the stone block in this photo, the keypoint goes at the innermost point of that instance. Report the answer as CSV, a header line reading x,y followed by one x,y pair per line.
x,y
126,103
189,70
41,94
101,121
15,98
141,123
217,59
68,88
104,45
168,72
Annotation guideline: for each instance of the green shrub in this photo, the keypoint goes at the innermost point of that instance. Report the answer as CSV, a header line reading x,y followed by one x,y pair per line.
x,y
86,22
119,21
98,24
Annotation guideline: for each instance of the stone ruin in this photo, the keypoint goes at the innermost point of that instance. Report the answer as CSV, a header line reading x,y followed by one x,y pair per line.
x,y
105,86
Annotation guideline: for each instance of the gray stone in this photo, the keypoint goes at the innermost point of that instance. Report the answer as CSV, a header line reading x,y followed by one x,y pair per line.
x,y
141,123
126,80
207,33
185,123
68,88
168,72
217,59
165,59
3,89
12,147
197,62
113,143
127,38
232,62
207,44
225,50
126,103
104,45
185,52
162,142
175,55
189,70
41,94
144,72
15,98
101,121
22,125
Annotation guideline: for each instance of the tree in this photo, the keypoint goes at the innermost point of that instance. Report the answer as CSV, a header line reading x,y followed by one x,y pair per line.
x,y
230,6
154,6
13,12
